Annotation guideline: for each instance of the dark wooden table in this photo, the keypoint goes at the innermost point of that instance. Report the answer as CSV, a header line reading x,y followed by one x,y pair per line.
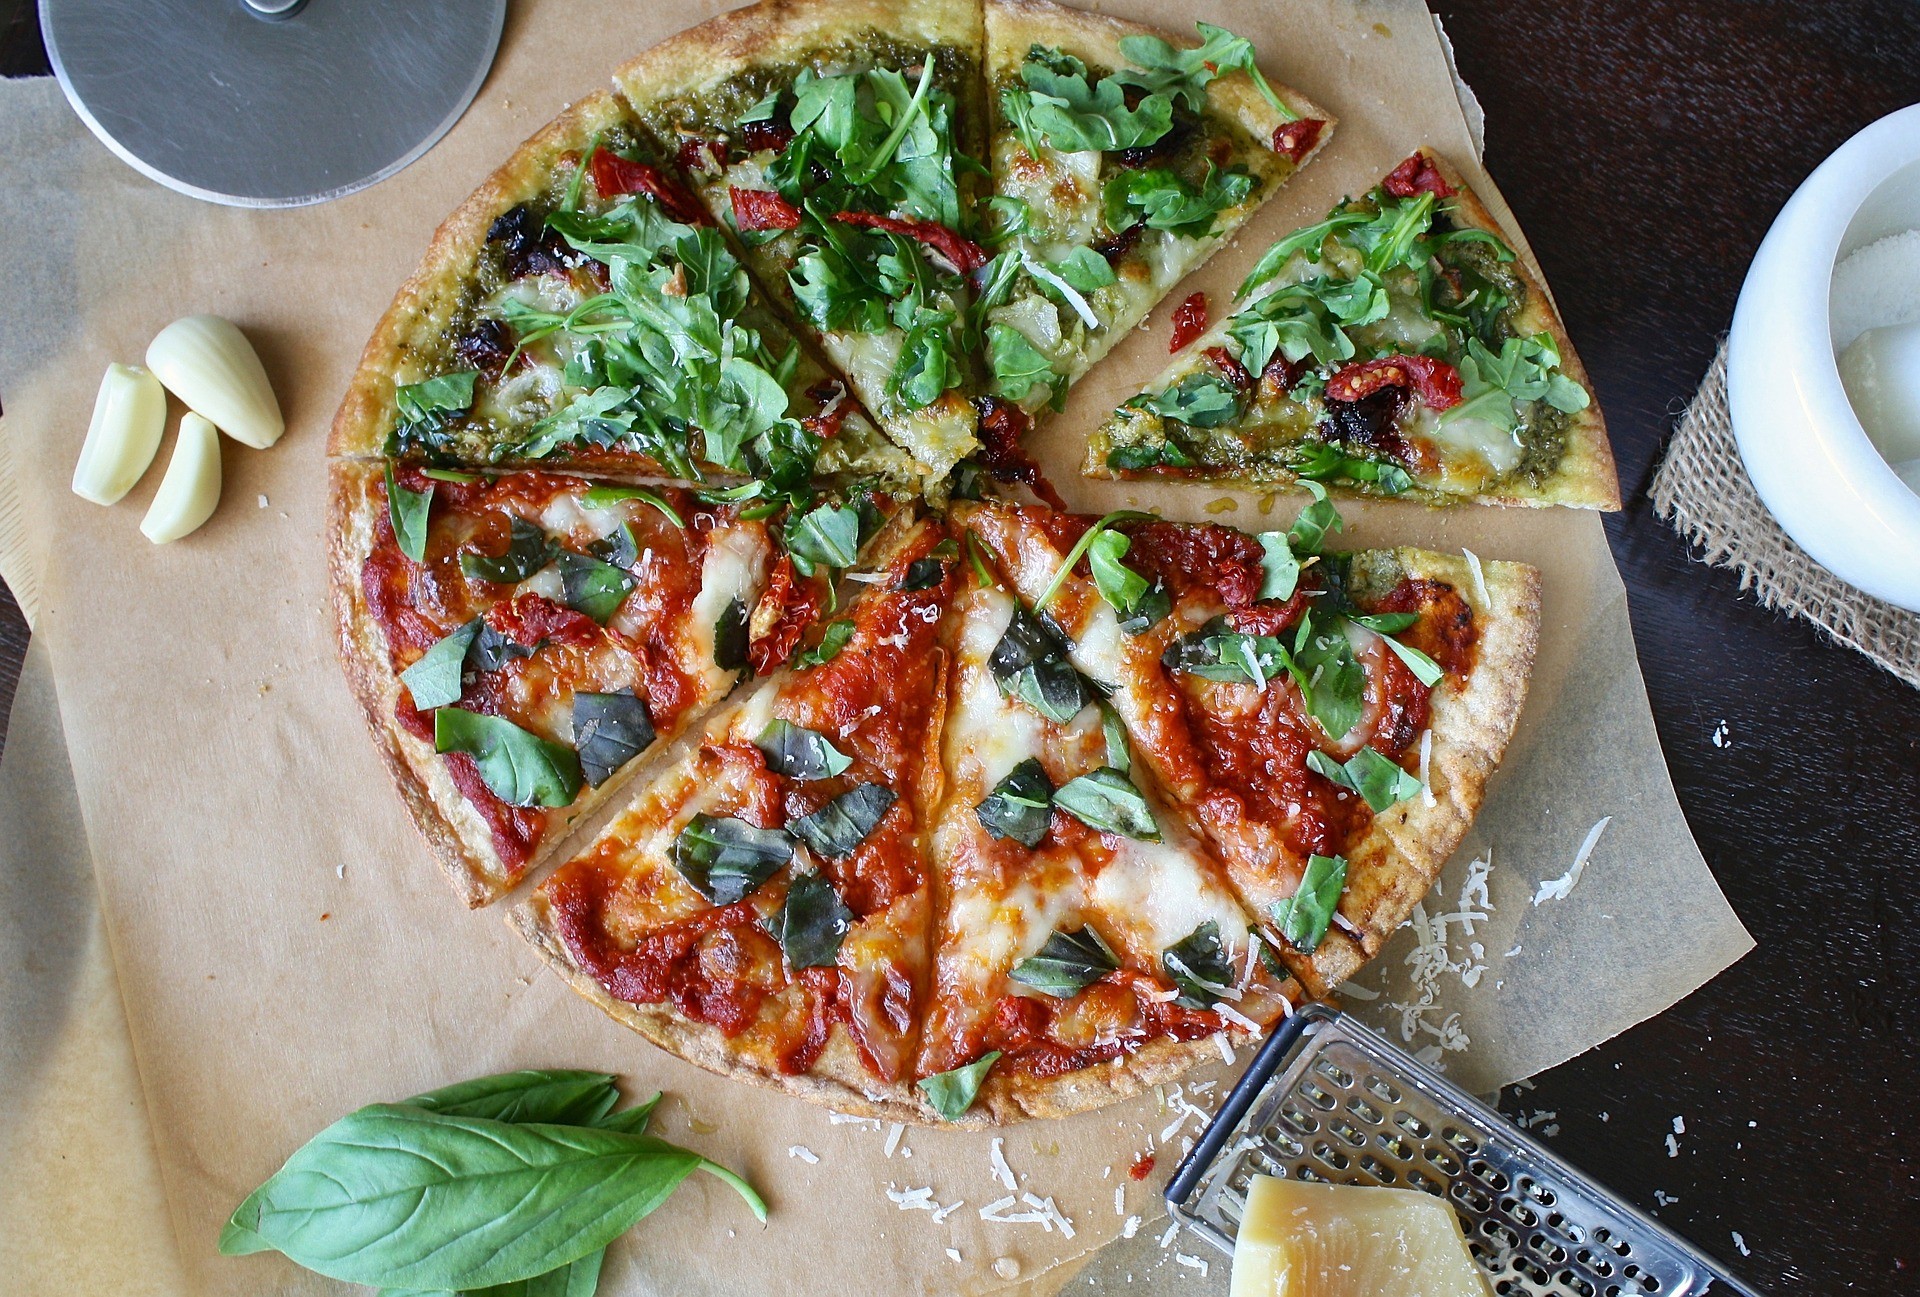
x,y
1646,145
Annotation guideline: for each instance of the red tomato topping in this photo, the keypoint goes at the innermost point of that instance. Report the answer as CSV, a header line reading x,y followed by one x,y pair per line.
x,y
1435,382
831,395
1207,556
1189,321
1417,175
614,175
966,255
1445,631
1142,1167
1296,139
697,154
788,607
1002,425
1230,368
755,136
762,209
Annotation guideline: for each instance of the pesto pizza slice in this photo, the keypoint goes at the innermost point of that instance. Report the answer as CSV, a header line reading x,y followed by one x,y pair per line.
x,y
582,310
1399,347
1326,721
764,908
1122,158
840,140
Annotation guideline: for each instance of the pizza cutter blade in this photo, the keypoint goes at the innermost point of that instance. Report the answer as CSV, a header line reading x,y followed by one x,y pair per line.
x,y
270,103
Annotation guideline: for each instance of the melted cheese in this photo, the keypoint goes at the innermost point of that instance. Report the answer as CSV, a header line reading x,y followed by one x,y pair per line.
x,y
1472,450
1154,894
735,568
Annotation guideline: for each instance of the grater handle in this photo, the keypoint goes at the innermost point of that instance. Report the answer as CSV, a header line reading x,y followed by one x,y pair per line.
x,y
1193,1167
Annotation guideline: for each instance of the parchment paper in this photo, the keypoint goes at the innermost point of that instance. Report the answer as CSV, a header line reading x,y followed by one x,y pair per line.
x,y
284,948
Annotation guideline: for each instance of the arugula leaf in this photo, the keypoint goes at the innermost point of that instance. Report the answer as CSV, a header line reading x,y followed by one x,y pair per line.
x,y
951,1093
1020,805
828,536
434,679
1385,623
833,637
1301,320
1030,663
812,923
407,511
1201,400
1199,966
1086,270
559,1098
1016,364
1138,605
1068,963
926,367
1304,918
1378,780
1088,538
1148,454
1217,652
1107,800
519,768
837,829
1057,105
605,497
1392,238
1164,200
1185,74
726,858
1316,461
1424,668
443,394
451,476
1279,566
800,753
1330,677
592,586
528,551
1525,370
609,730
1310,527
1308,241
730,637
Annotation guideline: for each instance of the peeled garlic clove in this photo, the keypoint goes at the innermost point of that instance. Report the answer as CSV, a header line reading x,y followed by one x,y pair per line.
x,y
128,417
191,488
208,363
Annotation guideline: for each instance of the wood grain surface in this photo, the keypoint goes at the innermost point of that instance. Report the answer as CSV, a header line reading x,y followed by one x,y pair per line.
x,y
1646,146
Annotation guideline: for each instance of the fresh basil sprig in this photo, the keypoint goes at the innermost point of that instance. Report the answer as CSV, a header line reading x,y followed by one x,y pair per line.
x,y
1030,664
833,637
1303,919
1378,780
592,586
1020,806
1107,800
812,922
1067,963
731,635
609,730
951,1093
436,678
520,768
407,511
800,753
837,829
726,858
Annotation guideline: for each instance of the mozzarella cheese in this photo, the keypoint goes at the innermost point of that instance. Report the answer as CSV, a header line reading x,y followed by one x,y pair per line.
x,y
735,567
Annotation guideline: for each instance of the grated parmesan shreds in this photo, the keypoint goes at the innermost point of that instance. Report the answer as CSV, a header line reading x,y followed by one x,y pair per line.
x,y
1555,889
997,1158
1191,1262
1426,759
805,1154
1356,991
1432,955
940,1216
1131,1227
953,1254
848,1119
893,1137
1119,1200
1227,1055
1479,577
1740,1244
1237,1018
920,1199
1166,1238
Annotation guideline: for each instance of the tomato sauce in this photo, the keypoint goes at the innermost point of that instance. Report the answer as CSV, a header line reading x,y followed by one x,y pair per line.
x,y
1044,1037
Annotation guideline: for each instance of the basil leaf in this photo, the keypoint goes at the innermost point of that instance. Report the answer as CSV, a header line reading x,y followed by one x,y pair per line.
x,y
1334,682
1380,781
605,497
1114,732
833,637
561,1098
492,650
828,536
726,858
407,511
447,393
528,551
1384,623
1030,663
1310,529
1198,965
1424,668
812,922
923,574
435,679
1107,800
1015,362
951,1093
578,1278
593,587
800,753
837,829
1279,568
1067,964
730,636
519,768
621,548
609,730
1020,806
1303,920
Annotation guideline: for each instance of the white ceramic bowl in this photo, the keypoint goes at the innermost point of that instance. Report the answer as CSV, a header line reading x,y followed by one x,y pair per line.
x,y
1803,446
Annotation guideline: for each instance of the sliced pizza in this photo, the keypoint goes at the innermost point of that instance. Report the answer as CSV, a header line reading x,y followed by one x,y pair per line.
x,y
518,641
764,909
582,310
1327,721
1122,158
1399,347
1088,942
840,140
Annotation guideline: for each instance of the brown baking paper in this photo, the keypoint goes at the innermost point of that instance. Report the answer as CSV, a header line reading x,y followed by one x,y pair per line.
x,y
285,950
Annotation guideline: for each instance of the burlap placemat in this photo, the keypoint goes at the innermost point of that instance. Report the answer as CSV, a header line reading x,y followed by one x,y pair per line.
x,y
1703,490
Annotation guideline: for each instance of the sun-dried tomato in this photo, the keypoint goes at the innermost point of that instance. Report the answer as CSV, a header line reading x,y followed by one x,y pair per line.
x,y
1435,382
831,396
762,209
766,134
1002,425
1281,374
1189,321
1230,368
1296,139
1208,556
614,175
697,153
789,606
485,346
1417,175
966,255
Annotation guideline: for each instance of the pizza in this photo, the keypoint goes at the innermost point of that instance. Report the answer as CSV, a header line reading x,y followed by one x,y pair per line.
x,y
669,579
1399,347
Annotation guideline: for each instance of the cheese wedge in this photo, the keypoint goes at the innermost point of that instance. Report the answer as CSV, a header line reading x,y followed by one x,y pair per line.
x,y
1339,1240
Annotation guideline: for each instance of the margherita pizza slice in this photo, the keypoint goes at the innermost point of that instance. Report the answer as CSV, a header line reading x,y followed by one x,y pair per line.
x,y
517,641
582,310
1398,347
1122,158
841,140
1088,942
1327,721
764,909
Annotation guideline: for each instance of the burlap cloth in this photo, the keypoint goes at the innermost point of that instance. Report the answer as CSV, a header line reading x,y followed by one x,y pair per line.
x,y
1703,490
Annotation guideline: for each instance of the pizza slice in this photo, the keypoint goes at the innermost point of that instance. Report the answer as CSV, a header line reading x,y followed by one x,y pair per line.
x,y
518,641
1327,720
764,909
1399,347
1088,942
582,310
1122,158
839,139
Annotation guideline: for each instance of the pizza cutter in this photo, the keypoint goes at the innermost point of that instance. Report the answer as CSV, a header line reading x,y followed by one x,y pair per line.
x,y
270,103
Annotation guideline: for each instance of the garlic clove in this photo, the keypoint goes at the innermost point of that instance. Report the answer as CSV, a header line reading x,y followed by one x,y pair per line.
x,y
191,488
129,415
209,364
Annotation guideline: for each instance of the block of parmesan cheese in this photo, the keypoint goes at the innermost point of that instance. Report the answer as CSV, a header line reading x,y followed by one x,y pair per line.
x,y
1334,1240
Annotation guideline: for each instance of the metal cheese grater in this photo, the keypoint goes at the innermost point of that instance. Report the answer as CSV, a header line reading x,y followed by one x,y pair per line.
x,y
1327,1099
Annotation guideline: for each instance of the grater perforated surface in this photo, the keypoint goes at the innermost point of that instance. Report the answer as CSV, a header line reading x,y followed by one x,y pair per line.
x,y
1330,1100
